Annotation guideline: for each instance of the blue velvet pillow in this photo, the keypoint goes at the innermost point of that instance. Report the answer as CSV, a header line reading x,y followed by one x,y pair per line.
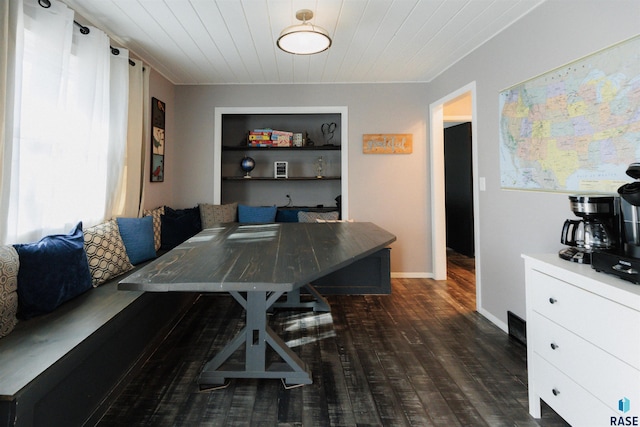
x,y
174,231
287,215
178,225
52,271
137,235
256,214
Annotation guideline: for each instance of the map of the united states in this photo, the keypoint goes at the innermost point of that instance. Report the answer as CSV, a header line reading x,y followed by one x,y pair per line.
x,y
576,128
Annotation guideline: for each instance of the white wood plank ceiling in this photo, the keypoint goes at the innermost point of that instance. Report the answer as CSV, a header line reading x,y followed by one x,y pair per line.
x,y
234,41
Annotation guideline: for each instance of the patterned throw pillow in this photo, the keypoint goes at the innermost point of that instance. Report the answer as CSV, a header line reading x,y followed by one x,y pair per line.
x,y
9,265
157,224
106,252
213,214
316,216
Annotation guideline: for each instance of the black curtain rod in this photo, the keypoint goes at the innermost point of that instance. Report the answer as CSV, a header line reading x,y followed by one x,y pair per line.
x,y
84,30
115,51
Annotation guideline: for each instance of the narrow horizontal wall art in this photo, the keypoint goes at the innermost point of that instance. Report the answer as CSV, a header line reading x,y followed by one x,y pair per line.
x,y
387,143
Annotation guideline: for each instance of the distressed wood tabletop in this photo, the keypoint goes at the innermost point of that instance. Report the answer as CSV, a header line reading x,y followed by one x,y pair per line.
x,y
252,257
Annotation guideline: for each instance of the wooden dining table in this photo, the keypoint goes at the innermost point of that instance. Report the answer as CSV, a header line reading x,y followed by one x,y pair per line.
x,y
258,264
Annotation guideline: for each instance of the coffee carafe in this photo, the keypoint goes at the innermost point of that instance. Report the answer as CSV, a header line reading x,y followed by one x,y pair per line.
x,y
595,230
630,210
624,262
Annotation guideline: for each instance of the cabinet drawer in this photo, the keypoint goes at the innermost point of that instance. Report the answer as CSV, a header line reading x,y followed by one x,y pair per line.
x,y
568,399
611,326
605,376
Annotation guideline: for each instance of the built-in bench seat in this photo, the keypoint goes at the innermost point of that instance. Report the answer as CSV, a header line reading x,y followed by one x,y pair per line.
x,y
61,368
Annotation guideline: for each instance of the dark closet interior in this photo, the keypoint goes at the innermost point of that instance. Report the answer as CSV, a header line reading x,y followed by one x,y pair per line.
x,y
459,188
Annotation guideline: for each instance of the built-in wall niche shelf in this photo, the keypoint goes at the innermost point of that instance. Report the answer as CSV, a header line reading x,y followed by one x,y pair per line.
x,y
326,127
311,148
291,178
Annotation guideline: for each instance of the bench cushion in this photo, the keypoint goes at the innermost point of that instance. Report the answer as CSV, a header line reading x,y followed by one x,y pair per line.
x,y
9,264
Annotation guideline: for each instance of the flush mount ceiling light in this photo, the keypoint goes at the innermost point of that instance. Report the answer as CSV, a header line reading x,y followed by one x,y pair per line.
x,y
305,38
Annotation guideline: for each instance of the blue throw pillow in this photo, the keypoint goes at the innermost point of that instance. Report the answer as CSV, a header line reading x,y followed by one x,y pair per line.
x,y
52,271
137,235
256,214
178,225
287,215
176,230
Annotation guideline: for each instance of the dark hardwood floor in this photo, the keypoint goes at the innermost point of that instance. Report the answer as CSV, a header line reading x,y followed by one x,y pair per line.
x,y
421,356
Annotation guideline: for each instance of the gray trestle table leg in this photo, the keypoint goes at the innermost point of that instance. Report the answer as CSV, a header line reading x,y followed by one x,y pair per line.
x,y
256,335
319,303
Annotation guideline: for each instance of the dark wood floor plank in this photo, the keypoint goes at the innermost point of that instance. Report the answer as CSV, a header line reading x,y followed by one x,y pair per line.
x,y
421,356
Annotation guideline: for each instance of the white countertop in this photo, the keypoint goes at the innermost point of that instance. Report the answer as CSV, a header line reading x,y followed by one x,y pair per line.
x,y
587,278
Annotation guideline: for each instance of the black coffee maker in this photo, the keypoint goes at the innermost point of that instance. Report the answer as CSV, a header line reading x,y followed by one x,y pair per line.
x,y
625,261
597,229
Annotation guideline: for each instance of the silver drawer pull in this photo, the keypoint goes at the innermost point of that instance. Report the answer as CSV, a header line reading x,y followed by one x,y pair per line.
x,y
554,346
552,300
555,391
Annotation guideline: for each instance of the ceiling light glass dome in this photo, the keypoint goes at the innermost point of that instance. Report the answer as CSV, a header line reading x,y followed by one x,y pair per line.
x,y
305,38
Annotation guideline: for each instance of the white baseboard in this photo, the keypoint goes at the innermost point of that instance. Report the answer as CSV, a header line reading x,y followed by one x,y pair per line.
x,y
493,319
424,275
411,275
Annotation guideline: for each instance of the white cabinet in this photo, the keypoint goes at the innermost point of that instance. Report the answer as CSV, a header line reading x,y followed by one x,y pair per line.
x,y
583,342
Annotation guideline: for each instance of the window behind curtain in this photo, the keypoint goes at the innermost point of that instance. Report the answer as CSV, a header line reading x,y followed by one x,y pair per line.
x,y
70,137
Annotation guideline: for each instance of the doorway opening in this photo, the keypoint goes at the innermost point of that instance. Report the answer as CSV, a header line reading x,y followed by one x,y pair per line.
x,y
458,107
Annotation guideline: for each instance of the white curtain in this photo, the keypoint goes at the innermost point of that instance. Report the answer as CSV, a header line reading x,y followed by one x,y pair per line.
x,y
116,159
10,21
68,146
137,135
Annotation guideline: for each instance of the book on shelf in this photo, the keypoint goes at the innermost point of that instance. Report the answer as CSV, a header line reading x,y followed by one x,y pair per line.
x,y
281,133
281,143
281,138
261,143
269,138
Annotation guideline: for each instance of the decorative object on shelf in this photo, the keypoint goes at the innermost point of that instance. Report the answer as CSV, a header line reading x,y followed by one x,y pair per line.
x,y
280,169
157,140
297,140
319,166
387,143
280,138
327,132
307,141
247,164
305,38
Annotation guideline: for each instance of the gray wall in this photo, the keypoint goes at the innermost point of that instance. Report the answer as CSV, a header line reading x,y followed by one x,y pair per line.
x,y
514,222
394,190
390,190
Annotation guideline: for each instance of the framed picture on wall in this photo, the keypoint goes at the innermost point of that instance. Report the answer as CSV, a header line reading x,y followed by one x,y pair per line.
x,y
157,140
